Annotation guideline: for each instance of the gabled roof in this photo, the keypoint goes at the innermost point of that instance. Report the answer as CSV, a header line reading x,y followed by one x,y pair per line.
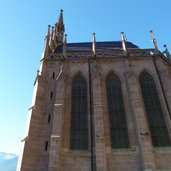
x,y
100,46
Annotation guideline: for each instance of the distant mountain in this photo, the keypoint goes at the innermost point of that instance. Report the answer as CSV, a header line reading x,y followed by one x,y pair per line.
x,y
8,161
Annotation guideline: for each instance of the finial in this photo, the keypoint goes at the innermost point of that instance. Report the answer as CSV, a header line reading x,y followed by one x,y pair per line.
x,y
122,36
123,43
65,38
64,45
52,29
37,72
48,33
49,27
94,37
153,40
52,33
46,43
165,47
166,51
94,44
51,42
61,16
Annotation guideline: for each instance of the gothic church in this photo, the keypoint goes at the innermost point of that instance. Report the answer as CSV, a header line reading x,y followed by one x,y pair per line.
x,y
99,106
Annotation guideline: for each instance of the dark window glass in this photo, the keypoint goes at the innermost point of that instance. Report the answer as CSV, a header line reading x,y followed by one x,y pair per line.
x,y
79,114
117,120
156,121
49,118
51,95
53,76
46,145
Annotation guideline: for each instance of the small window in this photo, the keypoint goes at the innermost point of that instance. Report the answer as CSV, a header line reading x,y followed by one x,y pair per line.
x,y
53,76
49,118
51,95
46,145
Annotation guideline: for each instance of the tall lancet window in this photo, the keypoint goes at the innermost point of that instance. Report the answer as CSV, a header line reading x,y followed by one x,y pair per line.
x,y
155,117
79,114
117,119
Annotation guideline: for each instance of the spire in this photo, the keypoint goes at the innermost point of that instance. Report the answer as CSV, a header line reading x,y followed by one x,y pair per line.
x,y
153,40
46,46
123,43
59,30
57,33
94,44
61,17
59,26
48,32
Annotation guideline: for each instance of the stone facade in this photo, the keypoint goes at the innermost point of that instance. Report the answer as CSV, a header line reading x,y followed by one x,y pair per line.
x,y
47,143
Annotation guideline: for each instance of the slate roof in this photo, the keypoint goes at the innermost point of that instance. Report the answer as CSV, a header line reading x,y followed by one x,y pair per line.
x,y
100,46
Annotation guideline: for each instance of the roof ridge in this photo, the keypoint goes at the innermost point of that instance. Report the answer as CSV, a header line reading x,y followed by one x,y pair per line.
x,y
99,42
87,46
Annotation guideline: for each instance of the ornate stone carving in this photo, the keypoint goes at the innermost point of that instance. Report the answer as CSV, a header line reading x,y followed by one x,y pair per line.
x,y
114,53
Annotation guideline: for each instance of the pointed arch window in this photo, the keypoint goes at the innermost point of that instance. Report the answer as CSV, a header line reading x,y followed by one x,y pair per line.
x,y
79,114
155,117
117,119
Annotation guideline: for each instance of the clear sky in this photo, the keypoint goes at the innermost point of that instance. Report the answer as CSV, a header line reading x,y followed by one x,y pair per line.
x,y
23,25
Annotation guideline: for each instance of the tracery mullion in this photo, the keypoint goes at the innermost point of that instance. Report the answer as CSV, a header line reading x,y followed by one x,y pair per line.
x,y
157,125
117,120
79,115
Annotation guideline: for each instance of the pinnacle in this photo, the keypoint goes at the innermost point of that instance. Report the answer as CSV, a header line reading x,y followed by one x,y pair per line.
x,y
61,16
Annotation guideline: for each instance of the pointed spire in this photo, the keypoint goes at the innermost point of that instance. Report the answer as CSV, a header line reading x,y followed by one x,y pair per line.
x,y
61,17
123,43
46,46
64,45
59,26
57,33
59,29
47,38
94,44
48,33
153,40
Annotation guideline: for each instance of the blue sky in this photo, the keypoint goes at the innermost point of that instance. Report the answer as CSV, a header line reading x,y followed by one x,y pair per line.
x,y
23,25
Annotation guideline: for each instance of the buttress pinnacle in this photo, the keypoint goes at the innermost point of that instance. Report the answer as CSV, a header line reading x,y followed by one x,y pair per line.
x,y
61,17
